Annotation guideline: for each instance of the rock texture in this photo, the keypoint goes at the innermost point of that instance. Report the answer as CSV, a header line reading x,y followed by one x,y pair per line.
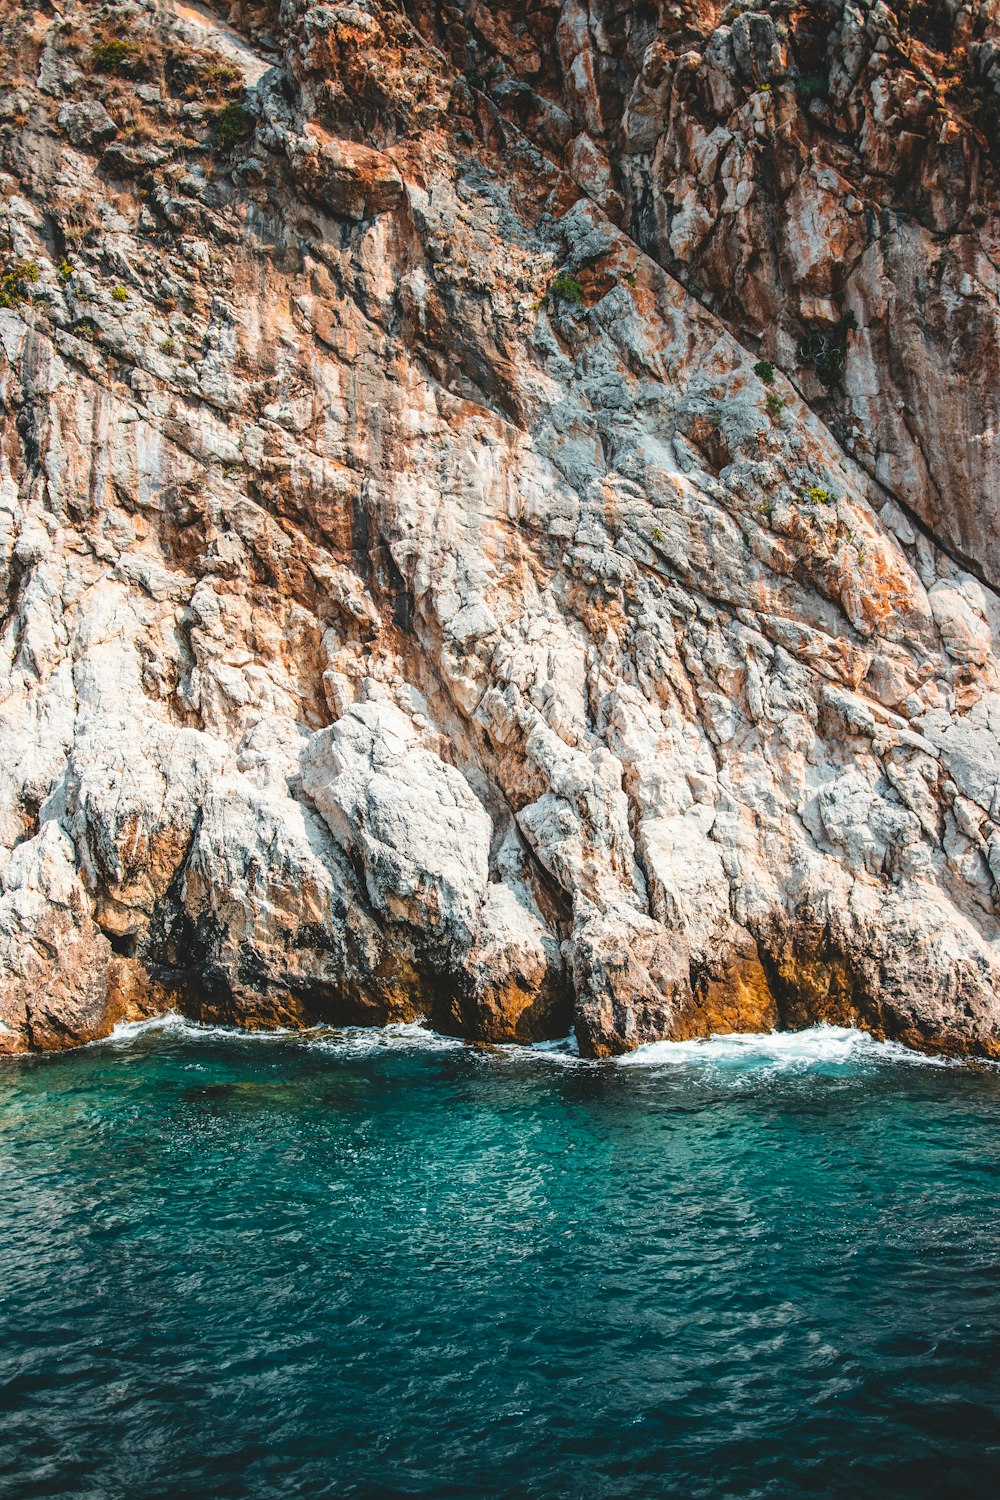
x,y
460,558
797,166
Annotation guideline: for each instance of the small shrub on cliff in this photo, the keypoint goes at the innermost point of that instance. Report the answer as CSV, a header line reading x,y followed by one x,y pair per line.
x,y
234,124
217,77
64,271
116,56
812,86
567,289
825,349
817,495
15,278
774,404
119,294
765,370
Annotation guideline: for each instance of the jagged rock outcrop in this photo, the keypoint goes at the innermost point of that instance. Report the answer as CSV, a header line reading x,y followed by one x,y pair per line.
x,y
416,601
802,169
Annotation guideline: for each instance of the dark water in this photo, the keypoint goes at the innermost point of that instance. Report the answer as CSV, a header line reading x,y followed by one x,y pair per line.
x,y
377,1267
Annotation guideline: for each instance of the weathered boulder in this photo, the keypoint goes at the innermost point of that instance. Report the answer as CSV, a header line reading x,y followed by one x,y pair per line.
x,y
55,964
413,823
346,178
87,123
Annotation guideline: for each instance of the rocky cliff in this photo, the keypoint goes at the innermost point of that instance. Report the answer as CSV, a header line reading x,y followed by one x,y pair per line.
x,y
498,517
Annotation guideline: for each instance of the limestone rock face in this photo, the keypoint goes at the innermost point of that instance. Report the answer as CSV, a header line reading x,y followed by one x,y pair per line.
x,y
824,178
413,823
459,557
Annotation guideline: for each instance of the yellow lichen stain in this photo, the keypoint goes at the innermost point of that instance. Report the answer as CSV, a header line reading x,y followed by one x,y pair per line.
x,y
133,994
739,1000
398,991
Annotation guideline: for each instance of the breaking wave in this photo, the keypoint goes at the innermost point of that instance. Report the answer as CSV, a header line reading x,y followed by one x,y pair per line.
x,y
819,1048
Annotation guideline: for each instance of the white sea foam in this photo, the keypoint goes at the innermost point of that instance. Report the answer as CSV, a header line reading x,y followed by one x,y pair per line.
x,y
174,1024
400,1036
564,1051
359,1040
818,1047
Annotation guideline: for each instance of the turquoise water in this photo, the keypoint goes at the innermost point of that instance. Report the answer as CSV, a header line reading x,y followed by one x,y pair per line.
x,y
382,1265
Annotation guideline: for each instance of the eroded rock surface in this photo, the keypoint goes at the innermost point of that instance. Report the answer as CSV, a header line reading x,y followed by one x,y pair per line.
x,y
824,177
417,602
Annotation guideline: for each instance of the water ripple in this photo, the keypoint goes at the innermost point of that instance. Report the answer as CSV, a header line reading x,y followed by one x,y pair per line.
x,y
350,1263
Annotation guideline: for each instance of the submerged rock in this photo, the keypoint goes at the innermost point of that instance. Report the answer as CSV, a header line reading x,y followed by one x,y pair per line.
x,y
420,599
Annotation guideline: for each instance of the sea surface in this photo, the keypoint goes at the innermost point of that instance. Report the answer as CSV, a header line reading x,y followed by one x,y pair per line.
x,y
383,1264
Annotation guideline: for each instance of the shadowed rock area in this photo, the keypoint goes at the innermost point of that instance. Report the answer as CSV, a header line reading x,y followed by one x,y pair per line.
x,y
498,518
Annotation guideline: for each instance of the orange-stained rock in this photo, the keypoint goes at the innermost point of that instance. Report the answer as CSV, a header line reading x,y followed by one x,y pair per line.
x,y
344,177
496,522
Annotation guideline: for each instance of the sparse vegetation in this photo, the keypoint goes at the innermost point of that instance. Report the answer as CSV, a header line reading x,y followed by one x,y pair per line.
x,y
168,345
825,349
765,370
64,271
817,495
84,329
567,289
774,404
119,294
116,56
812,86
15,278
218,77
234,124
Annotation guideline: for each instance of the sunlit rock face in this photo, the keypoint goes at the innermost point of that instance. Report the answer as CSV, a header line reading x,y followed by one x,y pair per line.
x,y
799,165
460,560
